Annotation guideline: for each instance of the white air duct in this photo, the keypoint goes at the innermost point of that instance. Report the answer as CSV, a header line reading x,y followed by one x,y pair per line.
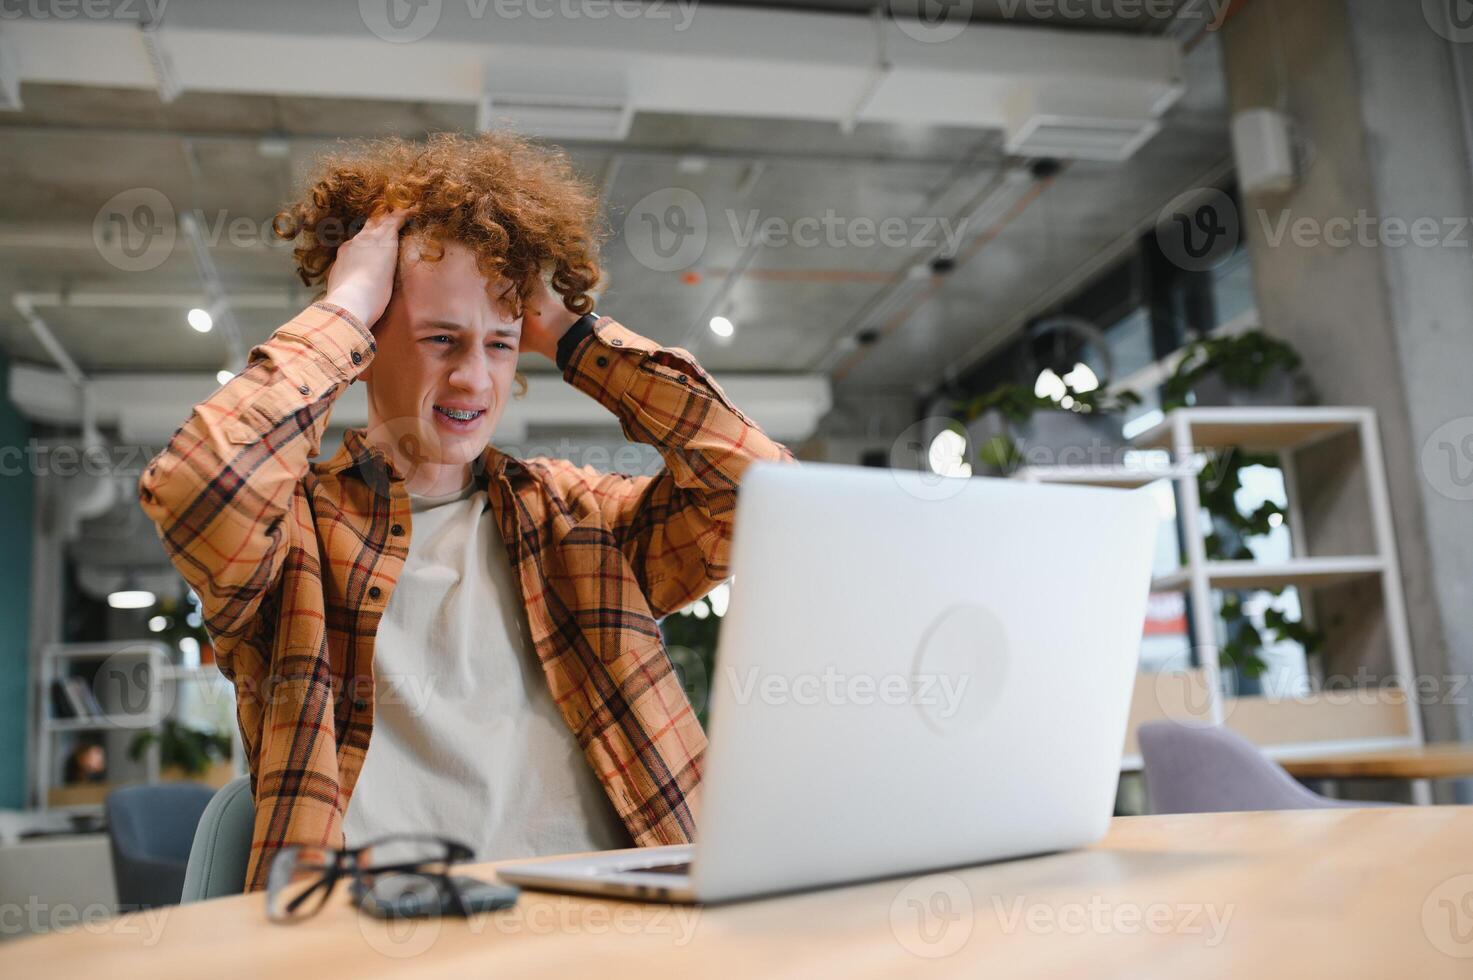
x,y
147,408
1096,95
88,489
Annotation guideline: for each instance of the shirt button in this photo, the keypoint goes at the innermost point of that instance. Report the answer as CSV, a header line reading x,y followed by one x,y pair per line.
x,y
397,530
357,358
304,389
375,592
373,346
603,362
683,379
359,704
617,342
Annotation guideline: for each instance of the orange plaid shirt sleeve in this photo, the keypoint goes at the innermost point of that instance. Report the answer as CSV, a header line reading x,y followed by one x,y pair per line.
x,y
294,562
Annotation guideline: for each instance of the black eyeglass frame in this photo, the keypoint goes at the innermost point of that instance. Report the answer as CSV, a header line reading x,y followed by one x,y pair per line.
x,y
344,865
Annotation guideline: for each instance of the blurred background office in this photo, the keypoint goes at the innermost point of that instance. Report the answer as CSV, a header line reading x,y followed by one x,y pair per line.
x,y
1219,249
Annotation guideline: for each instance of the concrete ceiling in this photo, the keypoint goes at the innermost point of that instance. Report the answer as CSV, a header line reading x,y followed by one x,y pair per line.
x,y
72,148
1153,17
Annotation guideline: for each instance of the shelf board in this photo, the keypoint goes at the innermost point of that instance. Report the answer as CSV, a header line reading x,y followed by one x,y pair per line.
x,y
1253,429
1123,477
176,672
100,723
1301,572
103,651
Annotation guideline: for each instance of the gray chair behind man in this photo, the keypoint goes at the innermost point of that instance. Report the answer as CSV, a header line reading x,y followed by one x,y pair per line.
x,y
1201,769
150,829
222,844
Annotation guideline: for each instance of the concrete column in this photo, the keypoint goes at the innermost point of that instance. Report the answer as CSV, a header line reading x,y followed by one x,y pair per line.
x,y
1367,268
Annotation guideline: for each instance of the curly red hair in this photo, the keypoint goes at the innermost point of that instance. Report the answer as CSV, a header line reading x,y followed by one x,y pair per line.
x,y
519,206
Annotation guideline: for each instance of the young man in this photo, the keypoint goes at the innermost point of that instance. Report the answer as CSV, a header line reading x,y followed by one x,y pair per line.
x,y
425,634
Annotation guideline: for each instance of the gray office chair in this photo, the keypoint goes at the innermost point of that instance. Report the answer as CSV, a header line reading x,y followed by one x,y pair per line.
x,y
1199,769
149,829
222,844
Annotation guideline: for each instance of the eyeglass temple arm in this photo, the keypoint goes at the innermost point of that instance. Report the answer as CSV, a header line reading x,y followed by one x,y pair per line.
x,y
326,881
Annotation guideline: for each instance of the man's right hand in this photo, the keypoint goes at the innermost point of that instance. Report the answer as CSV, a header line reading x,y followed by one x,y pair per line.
x,y
361,279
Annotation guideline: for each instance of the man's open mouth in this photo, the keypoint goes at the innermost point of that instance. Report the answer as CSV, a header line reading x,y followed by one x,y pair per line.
x,y
460,414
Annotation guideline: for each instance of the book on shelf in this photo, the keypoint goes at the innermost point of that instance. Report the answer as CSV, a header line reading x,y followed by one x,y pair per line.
x,y
61,701
73,698
88,697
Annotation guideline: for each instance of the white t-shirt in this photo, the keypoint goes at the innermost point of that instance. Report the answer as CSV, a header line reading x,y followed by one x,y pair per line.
x,y
467,741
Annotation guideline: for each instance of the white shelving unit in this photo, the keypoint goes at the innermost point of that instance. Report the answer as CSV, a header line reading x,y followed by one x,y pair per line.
x,y
121,662
1187,435
156,694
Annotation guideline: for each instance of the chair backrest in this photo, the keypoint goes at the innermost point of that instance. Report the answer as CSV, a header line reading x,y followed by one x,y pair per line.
x,y
155,822
1209,769
149,831
222,844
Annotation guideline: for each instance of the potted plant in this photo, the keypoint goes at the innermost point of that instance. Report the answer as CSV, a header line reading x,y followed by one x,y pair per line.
x,y
1245,369
1013,425
190,752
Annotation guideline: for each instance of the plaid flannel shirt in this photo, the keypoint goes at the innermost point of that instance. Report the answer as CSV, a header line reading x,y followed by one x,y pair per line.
x,y
295,561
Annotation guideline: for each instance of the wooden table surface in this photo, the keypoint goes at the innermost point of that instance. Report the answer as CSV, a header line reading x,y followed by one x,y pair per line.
x,y
1445,760
1334,893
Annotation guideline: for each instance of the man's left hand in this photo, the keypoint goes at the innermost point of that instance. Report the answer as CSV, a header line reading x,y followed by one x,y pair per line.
x,y
544,321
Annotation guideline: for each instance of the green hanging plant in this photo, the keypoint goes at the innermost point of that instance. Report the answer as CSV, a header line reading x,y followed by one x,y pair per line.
x,y
1244,360
191,749
1217,485
1017,404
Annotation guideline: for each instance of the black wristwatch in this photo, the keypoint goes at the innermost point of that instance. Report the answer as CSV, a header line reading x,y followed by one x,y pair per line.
x,y
569,342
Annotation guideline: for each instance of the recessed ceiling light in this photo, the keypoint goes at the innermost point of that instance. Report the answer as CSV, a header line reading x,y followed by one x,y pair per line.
x,y
131,599
722,327
201,320
224,376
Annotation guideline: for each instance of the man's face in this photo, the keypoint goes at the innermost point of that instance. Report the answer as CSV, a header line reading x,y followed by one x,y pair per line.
x,y
446,362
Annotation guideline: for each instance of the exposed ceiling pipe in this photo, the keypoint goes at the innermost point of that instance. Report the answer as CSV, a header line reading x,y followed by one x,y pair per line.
x,y
90,491
909,288
934,284
146,408
9,74
279,299
1057,291
627,151
881,69
25,305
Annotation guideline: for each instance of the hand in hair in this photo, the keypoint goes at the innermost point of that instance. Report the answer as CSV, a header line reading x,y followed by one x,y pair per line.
x,y
361,279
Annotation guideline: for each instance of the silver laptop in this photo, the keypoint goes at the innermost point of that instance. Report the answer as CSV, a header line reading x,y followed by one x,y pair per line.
x,y
914,673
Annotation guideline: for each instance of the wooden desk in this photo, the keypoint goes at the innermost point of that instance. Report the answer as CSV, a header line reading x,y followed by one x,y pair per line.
x,y
1446,760
1341,893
